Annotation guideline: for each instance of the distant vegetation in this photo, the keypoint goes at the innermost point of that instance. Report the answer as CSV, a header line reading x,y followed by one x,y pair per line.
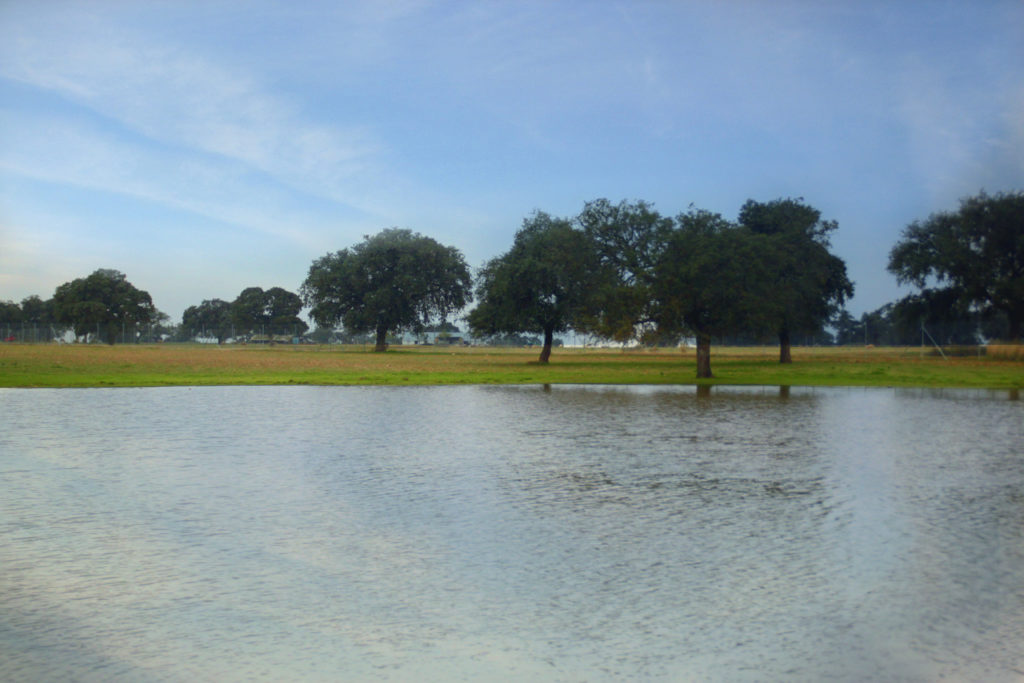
x,y
274,312
620,272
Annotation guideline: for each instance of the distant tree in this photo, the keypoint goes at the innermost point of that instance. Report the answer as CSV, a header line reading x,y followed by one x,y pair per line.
x,y
937,315
542,285
212,317
847,329
629,238
248,311
876,326
901,324
10,315
36,311
393,281
516,340
160,328
104,302
283,309
809,283
274,311
890,325
974,255
711,280
323,335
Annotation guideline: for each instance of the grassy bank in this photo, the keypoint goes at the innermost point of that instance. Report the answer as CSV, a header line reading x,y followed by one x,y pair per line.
x,y
72,365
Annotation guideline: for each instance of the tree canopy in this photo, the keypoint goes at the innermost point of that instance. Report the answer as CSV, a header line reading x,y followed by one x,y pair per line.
x,y
711,280
629,238
274,311
212,317
36,311
622,271
10,313
104,303
808,283
542,285
28,319
973,256
394,280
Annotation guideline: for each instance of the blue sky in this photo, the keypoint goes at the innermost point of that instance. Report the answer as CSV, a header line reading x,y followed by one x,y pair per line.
x,y
205,147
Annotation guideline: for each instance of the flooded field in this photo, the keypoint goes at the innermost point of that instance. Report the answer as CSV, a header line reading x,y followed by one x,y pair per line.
x,y
552,533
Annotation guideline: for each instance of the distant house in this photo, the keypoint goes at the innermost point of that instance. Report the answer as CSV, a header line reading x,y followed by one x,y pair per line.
x,y
273,339
442,338
439,339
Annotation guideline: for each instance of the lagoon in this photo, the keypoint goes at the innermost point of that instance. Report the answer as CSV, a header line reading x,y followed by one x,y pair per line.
x,y
511,533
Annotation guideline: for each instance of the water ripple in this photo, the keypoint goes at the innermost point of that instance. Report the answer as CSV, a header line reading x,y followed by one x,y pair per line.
x,y
573,533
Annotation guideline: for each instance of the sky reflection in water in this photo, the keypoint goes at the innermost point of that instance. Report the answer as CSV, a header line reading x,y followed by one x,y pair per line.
x,y
561,533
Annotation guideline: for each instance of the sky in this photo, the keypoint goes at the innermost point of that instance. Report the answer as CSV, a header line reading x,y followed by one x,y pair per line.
x,y
205,147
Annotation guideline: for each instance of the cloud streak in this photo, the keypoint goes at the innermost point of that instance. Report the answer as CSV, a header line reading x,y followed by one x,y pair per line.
x,y
63,150
192,105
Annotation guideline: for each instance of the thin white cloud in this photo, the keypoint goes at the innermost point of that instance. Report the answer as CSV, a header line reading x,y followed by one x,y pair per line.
x,y
186,101
59,150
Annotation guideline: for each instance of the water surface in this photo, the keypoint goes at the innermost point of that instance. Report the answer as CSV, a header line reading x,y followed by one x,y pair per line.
x,y
468,533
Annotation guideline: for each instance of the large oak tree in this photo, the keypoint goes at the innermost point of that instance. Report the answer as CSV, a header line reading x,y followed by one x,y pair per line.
x,y
710,280
973,256
809,284
392,281
104,303
629,238
542,285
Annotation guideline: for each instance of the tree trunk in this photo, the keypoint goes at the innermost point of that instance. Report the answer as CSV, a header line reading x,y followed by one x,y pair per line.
x,y
784,353
382,340
545,353
704,356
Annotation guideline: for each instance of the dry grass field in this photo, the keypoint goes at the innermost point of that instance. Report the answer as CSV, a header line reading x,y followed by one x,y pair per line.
x,y
1005,351
72,365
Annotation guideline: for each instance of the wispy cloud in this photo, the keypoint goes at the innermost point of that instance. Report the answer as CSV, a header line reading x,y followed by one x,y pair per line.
x,y
61,150
191,104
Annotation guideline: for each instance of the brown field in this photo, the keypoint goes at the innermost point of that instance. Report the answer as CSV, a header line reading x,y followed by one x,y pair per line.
x,y
1005,351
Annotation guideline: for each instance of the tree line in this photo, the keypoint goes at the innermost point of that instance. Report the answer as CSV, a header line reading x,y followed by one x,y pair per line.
x,y
621,272
625,272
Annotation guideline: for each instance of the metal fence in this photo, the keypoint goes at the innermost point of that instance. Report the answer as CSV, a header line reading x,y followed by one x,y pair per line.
x,y
27,333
